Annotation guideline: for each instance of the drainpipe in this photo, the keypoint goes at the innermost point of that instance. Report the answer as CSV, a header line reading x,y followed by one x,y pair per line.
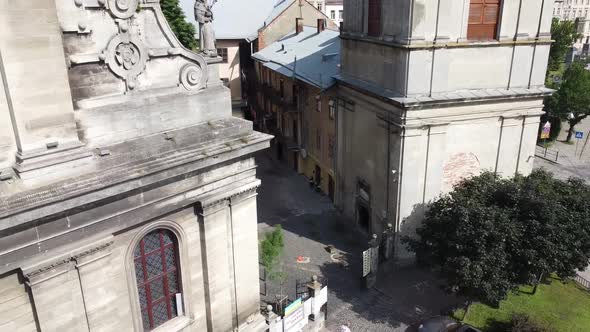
x,y
499,145
426,165
514,46
388,170
434,49
520,145
536,40
399,182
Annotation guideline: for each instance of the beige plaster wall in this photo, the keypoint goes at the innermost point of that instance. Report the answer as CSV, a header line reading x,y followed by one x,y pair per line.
x,y
232,69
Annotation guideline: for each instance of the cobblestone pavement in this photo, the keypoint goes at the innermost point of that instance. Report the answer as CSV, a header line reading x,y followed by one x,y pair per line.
x,y
310,223
574,159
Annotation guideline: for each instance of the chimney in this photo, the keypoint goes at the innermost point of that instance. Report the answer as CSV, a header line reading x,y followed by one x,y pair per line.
x,y
298,25
321,24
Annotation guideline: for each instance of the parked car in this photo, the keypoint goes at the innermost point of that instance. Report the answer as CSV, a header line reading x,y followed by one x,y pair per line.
x,y
442,324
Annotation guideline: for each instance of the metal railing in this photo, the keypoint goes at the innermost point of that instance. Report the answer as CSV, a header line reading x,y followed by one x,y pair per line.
x,y
582,281
546,153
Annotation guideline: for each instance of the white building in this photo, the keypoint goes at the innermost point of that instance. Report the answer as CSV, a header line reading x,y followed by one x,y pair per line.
x,y
335,10
432,92
319,4
575,10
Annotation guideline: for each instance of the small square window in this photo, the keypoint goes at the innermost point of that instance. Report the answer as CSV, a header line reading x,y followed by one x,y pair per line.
x,y
222,52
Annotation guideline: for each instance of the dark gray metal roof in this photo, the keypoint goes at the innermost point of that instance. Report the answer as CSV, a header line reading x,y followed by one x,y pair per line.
x,y
318,56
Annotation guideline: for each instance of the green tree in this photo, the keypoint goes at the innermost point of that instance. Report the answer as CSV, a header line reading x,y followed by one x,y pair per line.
x,y
271,248
571,102
491,235
564,33
184,31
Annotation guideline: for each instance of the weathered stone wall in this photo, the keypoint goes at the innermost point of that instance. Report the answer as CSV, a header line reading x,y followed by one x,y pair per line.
x,y
7,136
36,91
88,283
416,21
436,149
441,59
16,311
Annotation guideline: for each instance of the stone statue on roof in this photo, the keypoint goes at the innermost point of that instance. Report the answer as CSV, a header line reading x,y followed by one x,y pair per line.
x,y
204,16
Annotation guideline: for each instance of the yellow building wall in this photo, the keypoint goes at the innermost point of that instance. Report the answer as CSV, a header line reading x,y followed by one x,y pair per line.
x,y
309,122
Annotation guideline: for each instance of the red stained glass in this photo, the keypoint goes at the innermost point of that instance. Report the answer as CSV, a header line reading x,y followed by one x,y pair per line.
x,y
156,271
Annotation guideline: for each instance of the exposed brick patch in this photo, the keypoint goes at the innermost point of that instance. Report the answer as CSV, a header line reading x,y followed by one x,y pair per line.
x,y
458,167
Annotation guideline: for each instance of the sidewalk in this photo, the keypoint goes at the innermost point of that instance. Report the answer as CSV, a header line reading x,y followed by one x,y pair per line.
x,y
574,160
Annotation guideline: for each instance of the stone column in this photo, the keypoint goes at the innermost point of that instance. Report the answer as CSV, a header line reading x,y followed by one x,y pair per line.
x,y
58,297
218,273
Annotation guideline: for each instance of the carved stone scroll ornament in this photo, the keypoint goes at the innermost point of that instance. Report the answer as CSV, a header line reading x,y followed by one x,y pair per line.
x,y
123,8
126,56
191,77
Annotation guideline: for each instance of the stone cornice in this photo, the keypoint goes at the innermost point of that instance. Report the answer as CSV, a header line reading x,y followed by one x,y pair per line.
x,y
46,271
126,175
446,44
218,201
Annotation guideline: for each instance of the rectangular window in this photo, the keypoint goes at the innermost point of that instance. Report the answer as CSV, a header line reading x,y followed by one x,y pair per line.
x,y
319,6
332,104
341,14
318,100
374,18
222,52
333,14
483,19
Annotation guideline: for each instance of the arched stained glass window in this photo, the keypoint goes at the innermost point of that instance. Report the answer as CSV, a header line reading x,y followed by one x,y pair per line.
x,y
157,274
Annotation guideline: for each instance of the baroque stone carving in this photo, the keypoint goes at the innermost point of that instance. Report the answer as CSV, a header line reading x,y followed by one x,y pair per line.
x,y
191,77
126,56
123,8
204,16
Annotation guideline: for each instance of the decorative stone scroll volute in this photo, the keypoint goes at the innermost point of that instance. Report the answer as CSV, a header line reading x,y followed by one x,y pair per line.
x,y
132,39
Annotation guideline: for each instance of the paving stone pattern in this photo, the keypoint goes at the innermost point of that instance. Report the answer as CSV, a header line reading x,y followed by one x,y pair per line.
x,y
402,296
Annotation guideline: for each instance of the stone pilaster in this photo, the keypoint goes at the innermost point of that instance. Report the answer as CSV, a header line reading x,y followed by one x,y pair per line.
x,y
58,297
103,284
36,86
245,236
217,261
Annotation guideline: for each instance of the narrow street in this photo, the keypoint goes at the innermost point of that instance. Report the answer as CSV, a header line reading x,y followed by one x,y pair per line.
x,y
403,295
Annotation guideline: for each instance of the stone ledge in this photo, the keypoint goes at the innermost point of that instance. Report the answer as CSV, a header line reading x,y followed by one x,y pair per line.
x,y
127,172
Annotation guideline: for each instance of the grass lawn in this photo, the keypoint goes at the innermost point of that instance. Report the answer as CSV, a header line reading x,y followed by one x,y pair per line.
x,y
563,307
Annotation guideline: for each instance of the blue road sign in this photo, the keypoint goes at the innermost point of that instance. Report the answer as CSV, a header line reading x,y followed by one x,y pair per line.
x,y
579,134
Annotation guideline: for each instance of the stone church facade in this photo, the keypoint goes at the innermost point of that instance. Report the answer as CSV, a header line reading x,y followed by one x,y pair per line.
x,y
432,92
127,190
